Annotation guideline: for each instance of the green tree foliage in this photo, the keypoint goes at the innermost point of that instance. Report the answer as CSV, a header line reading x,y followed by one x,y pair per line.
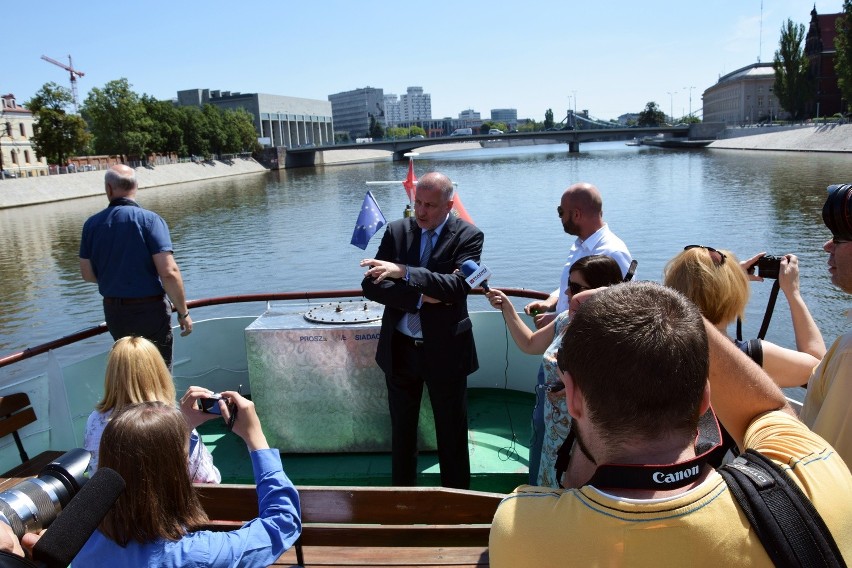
x,y
117,119
376,130
240,124
548,119
652,115
530,126
57,135
488,125
397,132
194,126
843,45
166,132
793,85
416,131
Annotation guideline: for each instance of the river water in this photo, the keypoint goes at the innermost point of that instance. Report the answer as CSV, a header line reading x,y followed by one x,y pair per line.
x,y
289,231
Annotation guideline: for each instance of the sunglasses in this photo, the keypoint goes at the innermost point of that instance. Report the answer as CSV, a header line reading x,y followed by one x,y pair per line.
x,y
575,288
839,241
560,211
712,251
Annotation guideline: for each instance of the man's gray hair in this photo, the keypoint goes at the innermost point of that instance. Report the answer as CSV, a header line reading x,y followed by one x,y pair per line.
x,y
121,182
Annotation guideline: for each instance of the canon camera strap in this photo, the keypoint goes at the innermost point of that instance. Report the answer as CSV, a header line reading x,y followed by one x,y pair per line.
x,y
708,444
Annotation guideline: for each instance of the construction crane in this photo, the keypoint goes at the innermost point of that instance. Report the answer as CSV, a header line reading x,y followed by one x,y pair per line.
x,y
73,72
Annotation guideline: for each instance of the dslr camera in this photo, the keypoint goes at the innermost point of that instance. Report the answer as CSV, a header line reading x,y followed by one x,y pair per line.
x,y
34,504
769,266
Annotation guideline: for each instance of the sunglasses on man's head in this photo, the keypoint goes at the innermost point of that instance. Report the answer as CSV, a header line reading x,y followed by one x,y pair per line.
x,y
712,251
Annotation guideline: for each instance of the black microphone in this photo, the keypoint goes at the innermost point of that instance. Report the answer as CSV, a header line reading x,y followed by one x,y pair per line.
x,y
79,519
476,275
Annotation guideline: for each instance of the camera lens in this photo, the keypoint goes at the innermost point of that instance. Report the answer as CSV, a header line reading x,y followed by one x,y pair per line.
x,y
837,211
33,504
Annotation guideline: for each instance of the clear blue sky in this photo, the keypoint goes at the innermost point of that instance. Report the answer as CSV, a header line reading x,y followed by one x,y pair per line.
x,y
610,56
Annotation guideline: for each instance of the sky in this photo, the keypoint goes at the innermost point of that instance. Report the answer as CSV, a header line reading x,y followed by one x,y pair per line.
x,y
609,57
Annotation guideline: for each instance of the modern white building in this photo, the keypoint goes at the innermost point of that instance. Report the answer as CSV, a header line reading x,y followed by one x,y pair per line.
x,y
744,96
415,105
279,120
393,110
469,114
17,156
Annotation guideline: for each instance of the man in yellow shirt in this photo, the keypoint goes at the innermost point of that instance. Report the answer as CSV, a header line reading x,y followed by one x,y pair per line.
x,y
636,384
827,410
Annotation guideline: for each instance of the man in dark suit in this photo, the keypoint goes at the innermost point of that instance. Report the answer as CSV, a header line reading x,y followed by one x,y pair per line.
x,y
426,334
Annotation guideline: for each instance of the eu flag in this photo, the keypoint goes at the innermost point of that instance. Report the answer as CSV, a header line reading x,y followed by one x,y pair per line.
x,y
370,220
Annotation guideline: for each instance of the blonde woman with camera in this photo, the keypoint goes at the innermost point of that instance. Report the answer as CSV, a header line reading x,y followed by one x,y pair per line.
x,y
719,285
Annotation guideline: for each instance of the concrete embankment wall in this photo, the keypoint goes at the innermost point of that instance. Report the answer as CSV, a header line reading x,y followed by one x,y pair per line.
x,y
807,138
45,189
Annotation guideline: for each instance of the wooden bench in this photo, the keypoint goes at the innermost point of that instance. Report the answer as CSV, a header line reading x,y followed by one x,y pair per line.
x,y
15,413
372,526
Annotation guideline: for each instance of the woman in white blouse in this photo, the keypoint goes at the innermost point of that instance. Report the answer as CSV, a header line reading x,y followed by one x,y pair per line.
x,y
135,373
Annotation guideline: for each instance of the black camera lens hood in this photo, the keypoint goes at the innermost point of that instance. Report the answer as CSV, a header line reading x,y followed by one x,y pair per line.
x,y
837,211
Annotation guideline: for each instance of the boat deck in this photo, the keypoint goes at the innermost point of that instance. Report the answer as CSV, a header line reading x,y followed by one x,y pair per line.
x,y
499,436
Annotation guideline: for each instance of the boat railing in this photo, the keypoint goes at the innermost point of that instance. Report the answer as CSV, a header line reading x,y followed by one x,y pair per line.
x,y
93,331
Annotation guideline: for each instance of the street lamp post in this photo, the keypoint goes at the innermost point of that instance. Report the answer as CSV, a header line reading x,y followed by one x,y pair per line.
x,y
671,105
690,100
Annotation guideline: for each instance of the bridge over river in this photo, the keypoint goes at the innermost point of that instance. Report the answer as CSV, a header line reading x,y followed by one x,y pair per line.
x,y
299,157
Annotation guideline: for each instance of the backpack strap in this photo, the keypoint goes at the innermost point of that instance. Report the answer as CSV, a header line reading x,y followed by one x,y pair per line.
x,y
784,519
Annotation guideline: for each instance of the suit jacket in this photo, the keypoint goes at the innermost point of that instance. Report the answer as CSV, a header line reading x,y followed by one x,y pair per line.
x,y
447,331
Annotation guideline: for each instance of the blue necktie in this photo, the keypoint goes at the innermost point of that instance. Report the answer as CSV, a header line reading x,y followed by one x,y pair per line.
x,y
414,319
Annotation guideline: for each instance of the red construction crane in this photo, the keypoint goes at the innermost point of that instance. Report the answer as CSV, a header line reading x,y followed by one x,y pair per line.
x,y
73,72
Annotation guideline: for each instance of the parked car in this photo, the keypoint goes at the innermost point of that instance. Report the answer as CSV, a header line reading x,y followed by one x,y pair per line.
x,y
462,132
7,174
418,137
495,131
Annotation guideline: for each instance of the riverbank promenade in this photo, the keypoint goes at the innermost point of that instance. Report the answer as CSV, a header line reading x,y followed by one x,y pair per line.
x,y
45,189
830,137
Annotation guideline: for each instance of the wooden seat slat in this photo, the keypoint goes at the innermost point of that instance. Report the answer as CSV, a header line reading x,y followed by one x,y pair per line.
x,y
373,526
408,557
382,505
29,468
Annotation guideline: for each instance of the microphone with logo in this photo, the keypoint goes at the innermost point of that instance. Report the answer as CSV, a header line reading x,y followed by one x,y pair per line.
x,y
476,275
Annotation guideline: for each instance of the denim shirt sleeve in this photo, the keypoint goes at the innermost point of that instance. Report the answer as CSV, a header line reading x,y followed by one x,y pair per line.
x,y
261,541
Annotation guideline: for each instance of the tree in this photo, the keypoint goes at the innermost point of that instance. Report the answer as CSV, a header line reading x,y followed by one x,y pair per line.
x,y
397,132
417,131
117,119
194,126
376,130
652,115
241,131
548,119
843,46
57,135
793,84
530,126
166,132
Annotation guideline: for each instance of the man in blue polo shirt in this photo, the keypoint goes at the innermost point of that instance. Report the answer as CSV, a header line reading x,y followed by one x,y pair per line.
x,y
127,252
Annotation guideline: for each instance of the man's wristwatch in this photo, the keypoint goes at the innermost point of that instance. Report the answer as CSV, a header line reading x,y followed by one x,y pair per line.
x,y
183,316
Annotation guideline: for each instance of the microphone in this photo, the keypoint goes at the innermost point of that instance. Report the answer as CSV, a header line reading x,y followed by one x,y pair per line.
x,y
73,527
476,275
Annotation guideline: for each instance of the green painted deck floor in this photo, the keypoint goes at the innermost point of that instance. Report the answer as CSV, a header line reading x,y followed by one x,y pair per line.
x,y
498,460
